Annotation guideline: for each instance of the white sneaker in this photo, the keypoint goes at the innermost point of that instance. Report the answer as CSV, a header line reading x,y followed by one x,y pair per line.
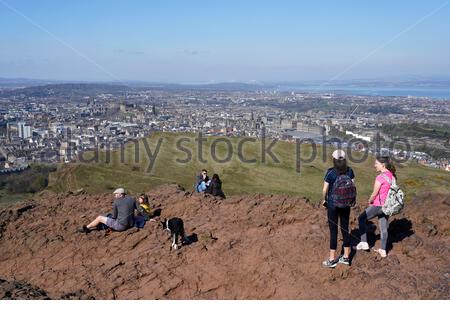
x,y
362,246
382,252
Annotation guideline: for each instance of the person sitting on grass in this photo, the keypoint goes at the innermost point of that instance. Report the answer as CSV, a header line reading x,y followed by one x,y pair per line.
x,y
202,181
215,187
122,216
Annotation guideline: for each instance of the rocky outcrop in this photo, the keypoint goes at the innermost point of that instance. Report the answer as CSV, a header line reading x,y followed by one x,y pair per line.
x,y
249,247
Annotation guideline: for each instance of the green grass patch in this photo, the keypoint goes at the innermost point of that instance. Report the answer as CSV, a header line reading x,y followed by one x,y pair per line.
x,y
261,175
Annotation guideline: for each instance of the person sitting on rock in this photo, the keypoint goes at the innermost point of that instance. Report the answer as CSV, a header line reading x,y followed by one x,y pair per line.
x,y
144,206
122,216
202,181
215,187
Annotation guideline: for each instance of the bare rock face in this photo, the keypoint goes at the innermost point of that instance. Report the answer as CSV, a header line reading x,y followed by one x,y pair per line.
x,y
248,247
15,290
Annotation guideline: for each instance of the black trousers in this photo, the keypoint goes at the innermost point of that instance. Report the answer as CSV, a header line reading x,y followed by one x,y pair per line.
x,y
343,215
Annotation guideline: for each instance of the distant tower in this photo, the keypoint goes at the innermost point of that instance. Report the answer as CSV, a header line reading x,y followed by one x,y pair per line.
x,y
154,110
24,130
252,116
8,132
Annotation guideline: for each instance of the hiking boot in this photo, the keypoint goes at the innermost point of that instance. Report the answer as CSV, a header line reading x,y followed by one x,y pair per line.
x,y
329,264
343,260
84,229
362,246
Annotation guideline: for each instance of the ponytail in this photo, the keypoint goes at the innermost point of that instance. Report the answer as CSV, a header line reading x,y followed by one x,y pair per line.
x,y
389,164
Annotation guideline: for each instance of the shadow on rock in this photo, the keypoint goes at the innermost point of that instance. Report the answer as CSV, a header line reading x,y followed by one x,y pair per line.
x,y
399,229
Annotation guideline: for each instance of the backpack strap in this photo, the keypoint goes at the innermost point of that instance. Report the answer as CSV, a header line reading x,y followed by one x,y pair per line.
x,y
388,180
343,174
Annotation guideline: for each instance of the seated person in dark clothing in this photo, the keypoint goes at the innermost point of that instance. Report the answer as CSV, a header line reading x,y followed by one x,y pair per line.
x,y
122,216
215,187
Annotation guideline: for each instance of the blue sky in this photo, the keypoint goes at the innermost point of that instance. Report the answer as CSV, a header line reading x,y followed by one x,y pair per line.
x,y
202,41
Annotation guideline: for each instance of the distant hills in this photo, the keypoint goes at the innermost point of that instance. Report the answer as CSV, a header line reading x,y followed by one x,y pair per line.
x,y
18,85
23,82
86,89
65,90
40,84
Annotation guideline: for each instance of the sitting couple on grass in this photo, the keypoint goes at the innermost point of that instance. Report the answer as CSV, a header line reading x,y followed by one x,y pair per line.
x,y
122,216
213,186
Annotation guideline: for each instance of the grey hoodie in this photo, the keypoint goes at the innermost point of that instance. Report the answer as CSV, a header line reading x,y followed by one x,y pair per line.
x,y
123,210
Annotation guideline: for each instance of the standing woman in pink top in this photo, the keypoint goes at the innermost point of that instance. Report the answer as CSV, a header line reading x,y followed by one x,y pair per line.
x,y
386,168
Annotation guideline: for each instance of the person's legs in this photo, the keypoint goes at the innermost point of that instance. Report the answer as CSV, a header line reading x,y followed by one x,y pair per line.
x,y
115,225
96,222
344,217
202,186
368,214
383,223
362,220
333,225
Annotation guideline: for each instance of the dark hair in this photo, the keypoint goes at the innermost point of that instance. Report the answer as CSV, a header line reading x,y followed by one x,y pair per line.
x,y
340,165
204,170
215,177
388,164
144,197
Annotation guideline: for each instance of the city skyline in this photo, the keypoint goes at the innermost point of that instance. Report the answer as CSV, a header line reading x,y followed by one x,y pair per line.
x,y
210,42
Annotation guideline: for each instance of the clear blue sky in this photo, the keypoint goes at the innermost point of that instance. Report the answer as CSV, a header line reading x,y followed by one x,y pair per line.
x,y
200,41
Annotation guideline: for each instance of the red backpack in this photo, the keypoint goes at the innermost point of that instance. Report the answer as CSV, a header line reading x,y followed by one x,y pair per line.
x,y
343,194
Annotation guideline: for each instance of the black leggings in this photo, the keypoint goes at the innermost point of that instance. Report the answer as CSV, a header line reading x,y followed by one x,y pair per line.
x,y
344,217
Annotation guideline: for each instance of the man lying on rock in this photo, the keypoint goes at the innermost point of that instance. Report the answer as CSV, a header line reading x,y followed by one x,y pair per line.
x,y
122,216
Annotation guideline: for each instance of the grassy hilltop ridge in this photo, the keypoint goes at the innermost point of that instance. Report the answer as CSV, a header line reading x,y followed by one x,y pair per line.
x,y
268,177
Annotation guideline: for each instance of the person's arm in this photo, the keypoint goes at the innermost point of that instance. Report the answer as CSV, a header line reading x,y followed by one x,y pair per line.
x,y
326,185
376,190
114,211
209,188
138,208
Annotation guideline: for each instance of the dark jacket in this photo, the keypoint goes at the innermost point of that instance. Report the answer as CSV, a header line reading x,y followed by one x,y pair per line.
x,y
215,188
123,210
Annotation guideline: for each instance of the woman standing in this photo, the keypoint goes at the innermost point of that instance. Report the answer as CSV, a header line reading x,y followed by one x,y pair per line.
x,y
383,181
339,193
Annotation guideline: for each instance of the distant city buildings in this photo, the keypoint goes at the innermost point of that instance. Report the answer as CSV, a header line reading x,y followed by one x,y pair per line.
x,y
24,130
58,127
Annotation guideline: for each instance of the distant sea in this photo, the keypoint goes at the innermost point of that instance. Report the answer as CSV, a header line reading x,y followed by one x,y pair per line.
x,y
434,93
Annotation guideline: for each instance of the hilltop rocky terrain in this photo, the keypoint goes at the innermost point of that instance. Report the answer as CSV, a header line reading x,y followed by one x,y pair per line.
x,y
248,247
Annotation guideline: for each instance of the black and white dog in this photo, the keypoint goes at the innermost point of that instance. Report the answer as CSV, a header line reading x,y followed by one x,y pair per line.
x,y
176,228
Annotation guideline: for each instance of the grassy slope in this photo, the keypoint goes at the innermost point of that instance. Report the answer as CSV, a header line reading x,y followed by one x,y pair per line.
x,y
237,177
7,198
